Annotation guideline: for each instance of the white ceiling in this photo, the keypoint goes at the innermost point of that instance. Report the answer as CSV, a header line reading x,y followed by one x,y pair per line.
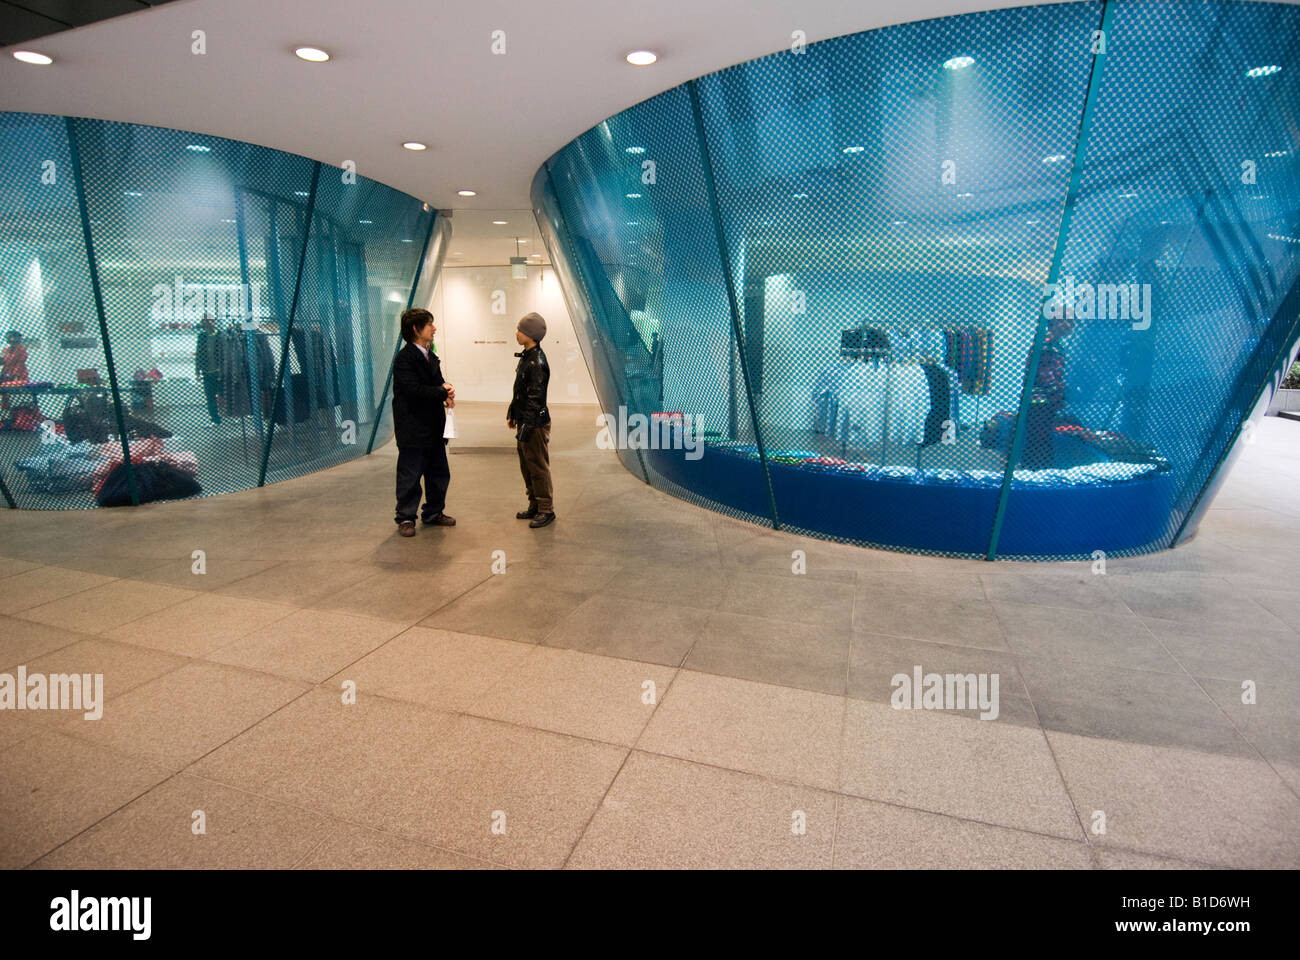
x,y
417,70
476,240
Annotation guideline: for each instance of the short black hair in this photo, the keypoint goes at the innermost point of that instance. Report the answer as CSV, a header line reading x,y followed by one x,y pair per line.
x,y
413,321
13,336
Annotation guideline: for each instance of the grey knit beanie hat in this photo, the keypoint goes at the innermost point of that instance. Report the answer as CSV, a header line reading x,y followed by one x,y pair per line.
x,y
533,327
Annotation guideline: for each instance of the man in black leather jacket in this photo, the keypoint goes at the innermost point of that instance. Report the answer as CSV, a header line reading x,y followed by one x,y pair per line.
x,y
419,419
531,421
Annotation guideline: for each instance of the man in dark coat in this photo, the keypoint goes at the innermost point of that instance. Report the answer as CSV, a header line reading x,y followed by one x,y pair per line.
x,y
419,419
530,418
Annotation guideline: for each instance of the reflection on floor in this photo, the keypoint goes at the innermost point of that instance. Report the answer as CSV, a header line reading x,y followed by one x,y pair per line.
x,y
647,684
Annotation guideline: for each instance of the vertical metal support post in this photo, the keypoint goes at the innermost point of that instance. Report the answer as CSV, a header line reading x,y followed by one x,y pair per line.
x,y
288,331
1053,275
75,152
410,299
729,282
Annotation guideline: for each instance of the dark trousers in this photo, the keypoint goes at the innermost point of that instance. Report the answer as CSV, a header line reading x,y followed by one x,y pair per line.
x,y
431,464
535,465
210,382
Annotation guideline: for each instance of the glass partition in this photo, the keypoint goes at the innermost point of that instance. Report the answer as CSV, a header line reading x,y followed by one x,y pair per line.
x,y
188,315
1003,284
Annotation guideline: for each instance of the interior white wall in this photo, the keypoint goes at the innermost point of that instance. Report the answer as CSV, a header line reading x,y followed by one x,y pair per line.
x,y
477,345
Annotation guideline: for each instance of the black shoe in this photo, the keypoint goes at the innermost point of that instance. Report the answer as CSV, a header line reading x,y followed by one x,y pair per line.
x,y
439,520
527,514
542,520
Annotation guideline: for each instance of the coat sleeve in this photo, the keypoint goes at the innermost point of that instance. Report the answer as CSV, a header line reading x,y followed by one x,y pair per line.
x,y
407,379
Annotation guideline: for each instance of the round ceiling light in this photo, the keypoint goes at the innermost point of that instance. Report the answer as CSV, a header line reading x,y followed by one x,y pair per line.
x,y
500,223
415,145
642,58
958,63
1253,72
31,56
311,54
467,193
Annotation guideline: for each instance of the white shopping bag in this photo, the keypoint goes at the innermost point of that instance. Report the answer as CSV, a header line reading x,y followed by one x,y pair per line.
x,y
449,431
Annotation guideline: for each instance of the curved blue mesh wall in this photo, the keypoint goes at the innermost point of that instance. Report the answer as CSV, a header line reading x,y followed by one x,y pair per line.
x,y
1000,285
229,309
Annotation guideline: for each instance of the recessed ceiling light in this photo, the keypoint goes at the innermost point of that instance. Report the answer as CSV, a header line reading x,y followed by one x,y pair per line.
x,y
521,239
1031,222
1265,71
636,149
1277,153
965,194
311,54
899,223
300,193
198,148
408,241
1128,196
799,196
1054,158
500,223
414,145
642,58
854,149
634,223
467,193
633,196
227,220
958,63
132,193
365,221
31,56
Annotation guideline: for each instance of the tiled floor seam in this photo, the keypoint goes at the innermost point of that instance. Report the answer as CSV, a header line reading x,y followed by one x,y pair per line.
x,y
17,614
80,638
389,698
113,812
1042,732
802,785
630,750
1247,740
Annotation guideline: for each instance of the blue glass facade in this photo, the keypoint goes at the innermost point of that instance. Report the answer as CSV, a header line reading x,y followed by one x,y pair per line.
x,y
226,312
1008,284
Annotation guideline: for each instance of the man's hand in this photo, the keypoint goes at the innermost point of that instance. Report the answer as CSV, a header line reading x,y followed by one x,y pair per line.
x,y
451,391
510,423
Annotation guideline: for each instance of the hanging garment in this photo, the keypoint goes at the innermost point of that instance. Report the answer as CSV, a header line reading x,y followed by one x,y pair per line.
x,y
825,404
322,368
871,393
232,378
909,404
940,405
860,393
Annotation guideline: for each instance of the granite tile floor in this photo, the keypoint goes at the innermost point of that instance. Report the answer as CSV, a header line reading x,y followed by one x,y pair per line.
x,y
644,683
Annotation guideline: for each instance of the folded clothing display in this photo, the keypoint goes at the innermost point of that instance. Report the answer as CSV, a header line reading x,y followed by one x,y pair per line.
x,y
1088,475
98,466
1114,445
154,480
71,468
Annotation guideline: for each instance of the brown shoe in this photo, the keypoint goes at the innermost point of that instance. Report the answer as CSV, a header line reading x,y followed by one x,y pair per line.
x,y
406,528
542,520
440,520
